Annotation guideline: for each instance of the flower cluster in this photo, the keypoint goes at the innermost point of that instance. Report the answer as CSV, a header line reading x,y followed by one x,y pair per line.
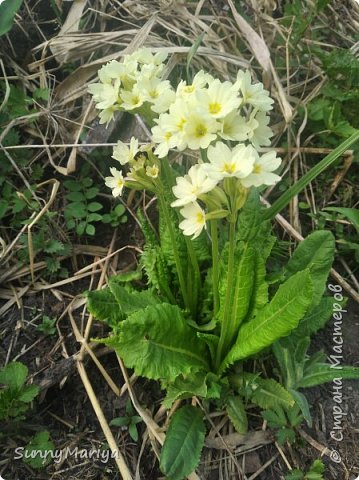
x,y
242,164
208,115
209,110
132,84
144,167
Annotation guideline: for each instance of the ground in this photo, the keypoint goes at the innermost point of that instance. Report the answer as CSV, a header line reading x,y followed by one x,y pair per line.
x,y
64,407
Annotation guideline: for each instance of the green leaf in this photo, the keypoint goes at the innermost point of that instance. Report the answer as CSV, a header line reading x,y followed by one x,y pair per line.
x,y
270,393
94,217
274,321
94,207
276,418
14,375
303,404
295,475
320,373
90,229
242,288
54,246
91,192
119,210
37,453
103,306
72,185
316,253
132,430
8,10
131,302
291,192
184,442
186,387
80,228
288,368
158,343
76,210
237,414
315,318
28,393
212,342
76,196
120,421
41,94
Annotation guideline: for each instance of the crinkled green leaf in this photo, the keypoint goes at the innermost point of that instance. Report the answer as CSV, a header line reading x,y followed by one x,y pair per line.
x,y
103,306
315,252
212,342
270,393
320,373
130,302
302,402
275,320
158,343
237,414
315,318
186,387
182,448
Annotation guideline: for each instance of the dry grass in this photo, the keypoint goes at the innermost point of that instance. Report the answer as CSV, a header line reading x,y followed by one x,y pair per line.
x,y
94,33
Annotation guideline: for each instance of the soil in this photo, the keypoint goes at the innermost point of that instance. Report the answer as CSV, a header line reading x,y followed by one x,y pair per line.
x,y
66,412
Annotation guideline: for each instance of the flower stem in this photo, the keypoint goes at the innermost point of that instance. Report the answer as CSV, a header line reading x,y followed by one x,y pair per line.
x,y
165,208
215,260
168,220
194,283
225,335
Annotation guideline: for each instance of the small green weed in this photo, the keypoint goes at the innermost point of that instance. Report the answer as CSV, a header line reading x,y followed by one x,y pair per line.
x,y
128,421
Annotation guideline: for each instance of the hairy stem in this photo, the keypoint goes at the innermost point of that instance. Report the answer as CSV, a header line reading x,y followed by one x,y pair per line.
x,y
215,260
226,330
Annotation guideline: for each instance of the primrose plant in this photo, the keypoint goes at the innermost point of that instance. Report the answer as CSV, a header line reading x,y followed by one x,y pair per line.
x,y
209,307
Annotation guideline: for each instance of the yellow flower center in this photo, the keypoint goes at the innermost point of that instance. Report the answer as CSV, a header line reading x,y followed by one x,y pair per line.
x,y
120,183
181,123
168,135
135,100
215,107
229,167
200,130
257,169
188,89
153,93
200,218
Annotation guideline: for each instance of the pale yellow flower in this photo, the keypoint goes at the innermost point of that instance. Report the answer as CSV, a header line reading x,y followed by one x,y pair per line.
x,y
219,99
125,153
262,173
224,162
199,130
116,182
195,220
189,187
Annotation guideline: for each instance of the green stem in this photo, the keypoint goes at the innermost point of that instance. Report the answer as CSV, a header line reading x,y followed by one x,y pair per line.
x,y
194,284
168,176
164,208
215,264
225,336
